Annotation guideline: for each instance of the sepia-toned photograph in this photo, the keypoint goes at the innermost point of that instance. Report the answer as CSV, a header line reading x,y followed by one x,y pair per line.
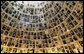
x,y
41,26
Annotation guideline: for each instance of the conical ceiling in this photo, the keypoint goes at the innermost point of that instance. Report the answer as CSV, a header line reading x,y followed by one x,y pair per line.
x,y
41,27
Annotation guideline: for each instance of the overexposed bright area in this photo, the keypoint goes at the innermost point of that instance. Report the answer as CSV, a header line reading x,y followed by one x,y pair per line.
x,y
35,3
